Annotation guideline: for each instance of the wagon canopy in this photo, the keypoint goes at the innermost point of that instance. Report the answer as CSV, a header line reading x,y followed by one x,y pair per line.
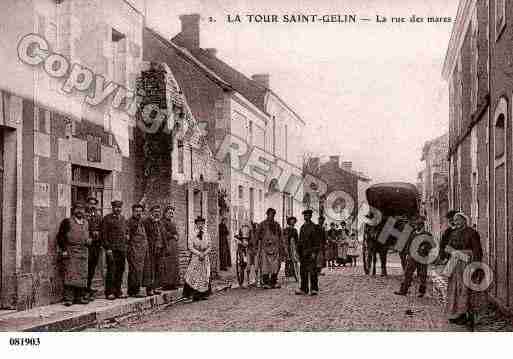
x,y
393,198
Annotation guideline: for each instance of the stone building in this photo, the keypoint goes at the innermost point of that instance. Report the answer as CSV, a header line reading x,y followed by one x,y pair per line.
x,y
477,69
435,184
60,144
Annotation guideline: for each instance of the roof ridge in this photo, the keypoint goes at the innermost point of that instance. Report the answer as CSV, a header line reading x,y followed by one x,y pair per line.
x,y
186,53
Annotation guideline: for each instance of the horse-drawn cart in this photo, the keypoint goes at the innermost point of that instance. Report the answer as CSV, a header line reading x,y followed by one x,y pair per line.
x,y
397,199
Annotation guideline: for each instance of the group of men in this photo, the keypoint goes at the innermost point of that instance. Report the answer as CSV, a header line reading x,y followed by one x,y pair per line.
x,y
267,246
303,250
148,244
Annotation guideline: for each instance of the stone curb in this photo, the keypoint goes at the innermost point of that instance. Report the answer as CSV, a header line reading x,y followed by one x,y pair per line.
x,y
62,321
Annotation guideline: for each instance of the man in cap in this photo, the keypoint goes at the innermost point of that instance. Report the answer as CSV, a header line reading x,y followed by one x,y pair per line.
x,y
169,274
308,249
94,221
270,245
416,261
137,251
155,234
73,239
114,234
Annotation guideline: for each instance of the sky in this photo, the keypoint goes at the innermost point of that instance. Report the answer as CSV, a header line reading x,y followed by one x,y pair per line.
x,y
369,92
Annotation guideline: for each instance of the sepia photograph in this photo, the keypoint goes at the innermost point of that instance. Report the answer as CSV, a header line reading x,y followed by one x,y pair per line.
x,y
236,166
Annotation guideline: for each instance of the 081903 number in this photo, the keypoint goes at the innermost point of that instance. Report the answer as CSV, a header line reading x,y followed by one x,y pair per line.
x,y
24,341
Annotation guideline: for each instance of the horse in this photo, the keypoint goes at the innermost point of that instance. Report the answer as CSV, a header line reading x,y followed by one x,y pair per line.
x,y
374,248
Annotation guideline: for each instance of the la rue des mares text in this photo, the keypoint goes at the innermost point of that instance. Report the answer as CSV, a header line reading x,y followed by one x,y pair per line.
x,y
291,18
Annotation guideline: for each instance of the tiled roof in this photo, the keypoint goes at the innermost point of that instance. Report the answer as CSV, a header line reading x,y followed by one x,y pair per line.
x,y
250,89
188,72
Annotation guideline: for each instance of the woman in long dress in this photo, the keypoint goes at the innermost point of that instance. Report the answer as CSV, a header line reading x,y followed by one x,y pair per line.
x,y
460,298
197,276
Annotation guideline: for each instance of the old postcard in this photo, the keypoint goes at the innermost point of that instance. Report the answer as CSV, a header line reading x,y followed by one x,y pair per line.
x,y
261,166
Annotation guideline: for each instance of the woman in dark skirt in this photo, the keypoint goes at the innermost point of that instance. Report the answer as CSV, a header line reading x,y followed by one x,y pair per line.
x,y
225,261
197,277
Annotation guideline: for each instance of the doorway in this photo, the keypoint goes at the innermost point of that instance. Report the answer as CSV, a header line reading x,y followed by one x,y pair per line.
x,y
1,208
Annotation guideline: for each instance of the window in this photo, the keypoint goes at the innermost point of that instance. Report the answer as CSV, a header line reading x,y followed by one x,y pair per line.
x,y
86,182
475,177
119,51
500,17
241,192
252,204
250,133
180,156
459,117
499,136
285,155
260,195
475,61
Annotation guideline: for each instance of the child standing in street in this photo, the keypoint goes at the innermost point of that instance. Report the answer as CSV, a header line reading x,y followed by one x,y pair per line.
x,y
353,251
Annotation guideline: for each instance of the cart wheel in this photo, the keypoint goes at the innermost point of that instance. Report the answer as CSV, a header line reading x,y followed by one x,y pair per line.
x,y
240,267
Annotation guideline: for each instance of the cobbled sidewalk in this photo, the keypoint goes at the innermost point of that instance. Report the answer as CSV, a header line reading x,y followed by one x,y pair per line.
x,y
348,301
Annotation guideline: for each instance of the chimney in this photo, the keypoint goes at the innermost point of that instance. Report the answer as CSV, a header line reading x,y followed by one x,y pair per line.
x,y
190,30
212,52
347,165
262,79
335,160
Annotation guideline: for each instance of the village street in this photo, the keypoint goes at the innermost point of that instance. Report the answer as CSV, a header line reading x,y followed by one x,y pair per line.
x,y
349,300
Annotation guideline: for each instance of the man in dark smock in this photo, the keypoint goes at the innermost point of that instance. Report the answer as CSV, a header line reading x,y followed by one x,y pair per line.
x,y
137,251
270,247
308,248
73,239
115,241
155,233
412,263
169,275
94,221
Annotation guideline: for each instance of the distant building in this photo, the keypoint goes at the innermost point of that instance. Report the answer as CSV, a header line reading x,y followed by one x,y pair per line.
x,y
340,177
435,183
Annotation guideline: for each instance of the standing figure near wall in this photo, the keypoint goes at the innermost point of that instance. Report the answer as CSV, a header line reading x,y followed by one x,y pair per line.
x,y
94,221
155,233
115,240
169,268
291,237
73,239
225,261
137,251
